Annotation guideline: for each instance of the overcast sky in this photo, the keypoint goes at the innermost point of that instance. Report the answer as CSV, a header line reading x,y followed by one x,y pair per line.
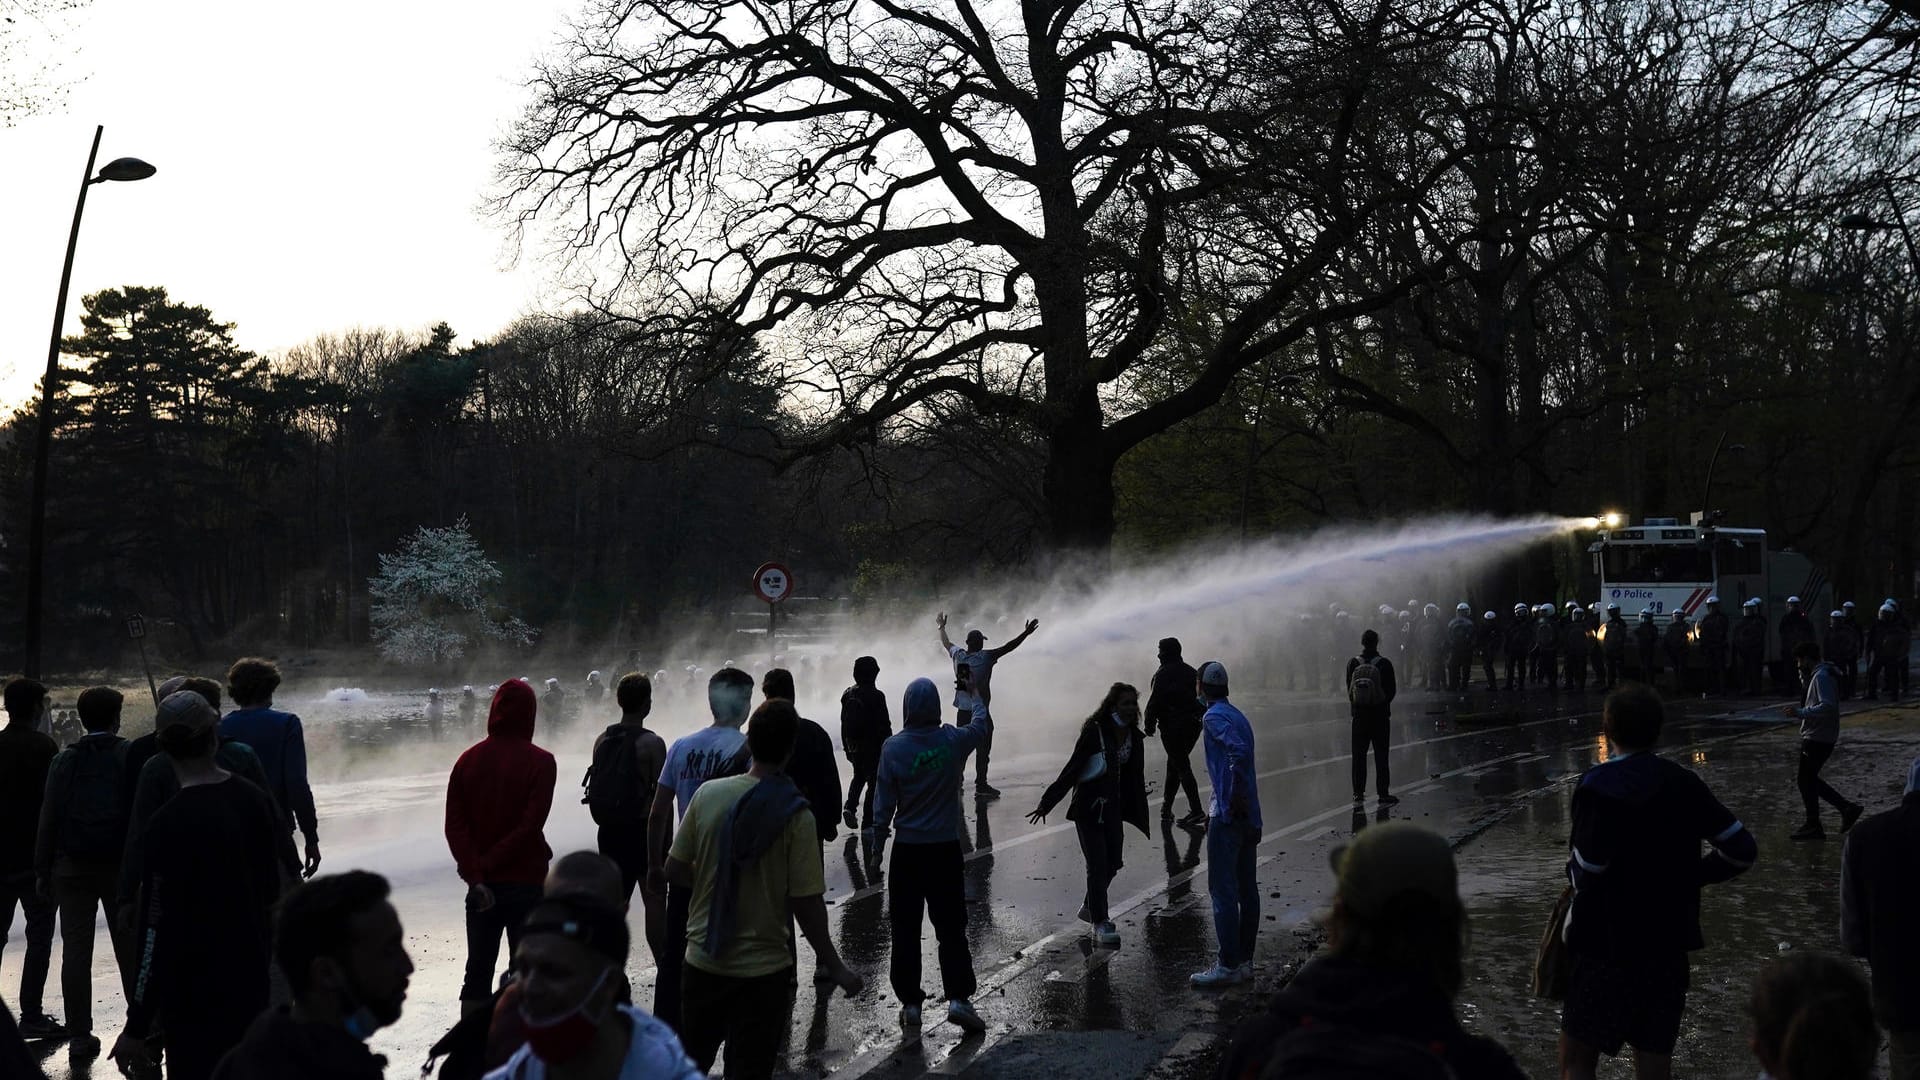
x,y
320,167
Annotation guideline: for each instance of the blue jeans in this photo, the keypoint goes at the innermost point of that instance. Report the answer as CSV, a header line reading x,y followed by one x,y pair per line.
x,y
1234,884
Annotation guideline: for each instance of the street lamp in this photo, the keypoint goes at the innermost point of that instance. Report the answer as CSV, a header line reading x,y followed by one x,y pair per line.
x,y
1706,497
120,169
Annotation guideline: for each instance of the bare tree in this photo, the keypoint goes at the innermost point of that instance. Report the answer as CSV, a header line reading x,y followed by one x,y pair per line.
x,y
1010,206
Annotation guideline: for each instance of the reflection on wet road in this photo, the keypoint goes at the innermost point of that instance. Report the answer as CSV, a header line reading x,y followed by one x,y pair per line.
x,y
1456,767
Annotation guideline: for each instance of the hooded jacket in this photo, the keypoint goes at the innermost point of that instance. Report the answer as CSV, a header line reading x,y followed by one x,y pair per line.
x,y
917,790
1374,1004
1820,713
865,724
1121,787
499,795
278,1047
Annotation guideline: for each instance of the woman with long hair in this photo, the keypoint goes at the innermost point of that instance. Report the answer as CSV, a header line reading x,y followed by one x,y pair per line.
x,y
1107,777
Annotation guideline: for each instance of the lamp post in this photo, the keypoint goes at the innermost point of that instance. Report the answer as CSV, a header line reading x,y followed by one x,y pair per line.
x,y
1706,497
125,168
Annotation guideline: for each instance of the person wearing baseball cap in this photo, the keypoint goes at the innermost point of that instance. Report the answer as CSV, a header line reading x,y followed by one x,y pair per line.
x,y
981,660
205,939
1233,831
1379,1000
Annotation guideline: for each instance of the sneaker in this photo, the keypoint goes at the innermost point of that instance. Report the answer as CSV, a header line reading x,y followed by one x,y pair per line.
x,y
853,822
1389,800
909,1016
1218,975
84,1045
1809,832
960,1013
40,1026
1850,815
1106,934
1197,817
986,791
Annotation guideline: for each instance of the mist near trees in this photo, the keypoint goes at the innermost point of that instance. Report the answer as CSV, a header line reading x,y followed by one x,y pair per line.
x,y
907,295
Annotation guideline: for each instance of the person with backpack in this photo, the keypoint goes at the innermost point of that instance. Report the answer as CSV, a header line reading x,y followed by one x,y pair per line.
x,y
1459,648
279,741
83,830
619,788
865,726
1370,692
1107,775
26,755
1378,1002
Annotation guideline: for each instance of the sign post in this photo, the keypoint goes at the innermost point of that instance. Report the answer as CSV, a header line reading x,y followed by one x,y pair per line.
x,y
772,583
137,630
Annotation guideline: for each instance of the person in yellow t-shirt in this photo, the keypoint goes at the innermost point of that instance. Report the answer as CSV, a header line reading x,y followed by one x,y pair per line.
x,y
748,851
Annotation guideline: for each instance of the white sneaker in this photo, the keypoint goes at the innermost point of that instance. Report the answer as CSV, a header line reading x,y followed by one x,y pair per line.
x,y
960,1013
1106,934
1217,976
909,1016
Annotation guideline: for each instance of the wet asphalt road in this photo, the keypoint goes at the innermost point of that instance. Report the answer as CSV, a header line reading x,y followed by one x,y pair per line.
x,y
1459,765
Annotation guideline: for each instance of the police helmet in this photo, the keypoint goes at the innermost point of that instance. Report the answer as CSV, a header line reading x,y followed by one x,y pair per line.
x,y
433,691
592,675
1848,605
1463,607
1679,616
1613,609
1646,614
1406,615
1836,614
1753,602
1793,599
1579,614
1341,615
1714,600
1520,609
1490,616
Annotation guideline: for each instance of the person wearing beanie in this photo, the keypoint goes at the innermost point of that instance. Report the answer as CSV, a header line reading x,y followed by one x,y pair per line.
x,y
497,803
571,961
1173,708
209,877
865,726
919,799
1379,1000
1233,832
1879,893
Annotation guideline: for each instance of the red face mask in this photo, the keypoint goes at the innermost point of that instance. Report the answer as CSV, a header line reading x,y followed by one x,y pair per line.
x,y
557,1040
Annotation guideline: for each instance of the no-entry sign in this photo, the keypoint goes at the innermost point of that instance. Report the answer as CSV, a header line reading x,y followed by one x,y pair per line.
x,y
773,582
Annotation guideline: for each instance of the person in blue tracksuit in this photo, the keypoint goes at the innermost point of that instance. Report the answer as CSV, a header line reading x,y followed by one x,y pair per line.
x,y
1233,832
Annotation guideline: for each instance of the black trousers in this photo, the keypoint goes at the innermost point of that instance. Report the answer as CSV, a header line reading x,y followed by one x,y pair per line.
x,y
1103,844
511,902
1516,670
671,960
18,888
983,755
1714,658
1813,758
1597,657
1178,739
1577,670
1486,668
1460,671
1747,665
749,1015
929,878
1849,677
866,766
1371,732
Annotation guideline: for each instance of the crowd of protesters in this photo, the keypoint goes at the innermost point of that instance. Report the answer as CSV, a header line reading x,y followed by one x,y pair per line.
x,y
236,959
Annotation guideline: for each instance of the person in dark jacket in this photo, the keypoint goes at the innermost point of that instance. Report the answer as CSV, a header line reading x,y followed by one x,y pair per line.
x,y
1379,1000
278,740
1173,709
1546,646
341,945
497,803
1891,640
1578,645
865,726
83,832
1108,779
1370,701
1637,872
1459,648
1795,629
1616,640
210,874
813,769
1750,648
1519,642
1490,642
1646,646
1673,642
26,756
1840,644
1716,638
1879,893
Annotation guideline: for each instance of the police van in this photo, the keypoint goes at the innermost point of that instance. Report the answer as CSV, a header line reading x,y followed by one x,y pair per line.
x,y
1664,565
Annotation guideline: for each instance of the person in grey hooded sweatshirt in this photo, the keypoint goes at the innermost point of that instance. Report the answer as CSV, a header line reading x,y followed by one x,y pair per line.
x,y
1819,720
918,796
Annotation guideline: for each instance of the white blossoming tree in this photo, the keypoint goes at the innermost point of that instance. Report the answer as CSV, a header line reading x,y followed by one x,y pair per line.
x,y
431,602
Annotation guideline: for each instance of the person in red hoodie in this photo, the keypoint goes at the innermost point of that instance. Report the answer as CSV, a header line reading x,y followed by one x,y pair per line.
x,y
497,803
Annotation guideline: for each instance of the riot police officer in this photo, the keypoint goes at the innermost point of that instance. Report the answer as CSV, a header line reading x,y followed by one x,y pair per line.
x,y
1841,646
1715,638
1616,637
1546,646
1459,646
1796,629
1577,645
1674,643
1750,647
1646,641
1519,643
1491,643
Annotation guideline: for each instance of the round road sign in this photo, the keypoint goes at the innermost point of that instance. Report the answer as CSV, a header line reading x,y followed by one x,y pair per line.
x,y
773,582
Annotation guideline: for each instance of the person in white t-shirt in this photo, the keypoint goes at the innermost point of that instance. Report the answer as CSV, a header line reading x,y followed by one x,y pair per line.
x,y
714,751
981,660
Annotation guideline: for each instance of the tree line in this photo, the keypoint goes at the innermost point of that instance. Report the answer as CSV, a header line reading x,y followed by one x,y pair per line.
x,y
907,294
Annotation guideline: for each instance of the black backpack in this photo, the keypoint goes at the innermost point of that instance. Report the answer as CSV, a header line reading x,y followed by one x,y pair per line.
x,y
95,824
1321,1051
616,793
